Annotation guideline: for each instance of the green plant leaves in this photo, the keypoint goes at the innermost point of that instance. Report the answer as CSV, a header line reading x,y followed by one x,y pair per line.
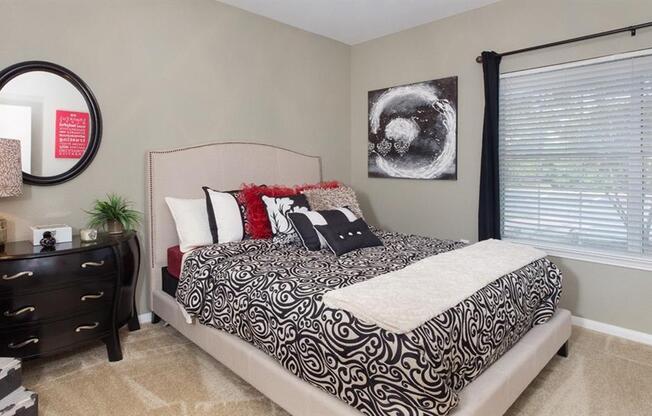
x,y
113,208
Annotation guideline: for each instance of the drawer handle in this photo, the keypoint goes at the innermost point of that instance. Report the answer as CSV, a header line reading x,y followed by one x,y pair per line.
x,y
20,311
92,264
33,340
88,297
17,275
87,327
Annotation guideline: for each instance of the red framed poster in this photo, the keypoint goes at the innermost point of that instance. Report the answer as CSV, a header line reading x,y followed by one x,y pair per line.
x,y
71,134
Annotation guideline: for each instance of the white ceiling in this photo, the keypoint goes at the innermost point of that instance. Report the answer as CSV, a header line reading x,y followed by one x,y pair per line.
x,y
356,21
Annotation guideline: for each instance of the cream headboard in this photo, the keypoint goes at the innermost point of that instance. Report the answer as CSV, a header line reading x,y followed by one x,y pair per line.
x,y
182,172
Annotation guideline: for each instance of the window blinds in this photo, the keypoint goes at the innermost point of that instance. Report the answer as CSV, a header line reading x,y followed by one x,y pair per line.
x,y
575,154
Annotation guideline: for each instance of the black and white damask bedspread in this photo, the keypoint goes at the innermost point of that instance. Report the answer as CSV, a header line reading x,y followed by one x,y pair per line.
x,y
269,294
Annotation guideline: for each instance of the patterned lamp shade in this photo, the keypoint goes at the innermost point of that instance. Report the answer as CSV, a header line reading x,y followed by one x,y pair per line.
x,y
11,174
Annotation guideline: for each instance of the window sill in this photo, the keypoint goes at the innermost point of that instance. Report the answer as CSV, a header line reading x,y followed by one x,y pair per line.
x,y
591,256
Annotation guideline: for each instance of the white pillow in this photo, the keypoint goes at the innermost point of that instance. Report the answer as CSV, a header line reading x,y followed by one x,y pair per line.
x,y
224,216
191,219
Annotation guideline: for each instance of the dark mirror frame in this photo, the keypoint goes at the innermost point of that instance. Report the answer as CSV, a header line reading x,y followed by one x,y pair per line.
x,y
95,135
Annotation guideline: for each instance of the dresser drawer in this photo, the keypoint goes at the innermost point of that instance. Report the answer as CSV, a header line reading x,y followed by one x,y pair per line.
x,y
36,339
57,303
19,275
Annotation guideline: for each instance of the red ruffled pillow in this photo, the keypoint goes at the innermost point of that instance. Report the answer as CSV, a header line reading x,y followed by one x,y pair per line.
x,y
250,195
320,185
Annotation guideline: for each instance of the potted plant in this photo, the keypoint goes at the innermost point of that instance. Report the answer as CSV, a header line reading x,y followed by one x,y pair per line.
x,y
114,213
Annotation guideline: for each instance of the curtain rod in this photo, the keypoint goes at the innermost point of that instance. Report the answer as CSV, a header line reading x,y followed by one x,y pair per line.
x,y
631,29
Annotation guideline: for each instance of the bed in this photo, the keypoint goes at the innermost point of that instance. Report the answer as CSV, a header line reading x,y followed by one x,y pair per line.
x,y
282,374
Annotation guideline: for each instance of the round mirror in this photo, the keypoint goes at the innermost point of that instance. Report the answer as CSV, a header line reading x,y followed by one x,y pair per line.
x,y
54,115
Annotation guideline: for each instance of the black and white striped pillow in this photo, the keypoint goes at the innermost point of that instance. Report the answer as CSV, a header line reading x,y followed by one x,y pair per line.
x,y
224,216
304,224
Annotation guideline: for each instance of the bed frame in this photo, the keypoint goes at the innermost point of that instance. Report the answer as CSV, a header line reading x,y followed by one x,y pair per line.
x,y
182,172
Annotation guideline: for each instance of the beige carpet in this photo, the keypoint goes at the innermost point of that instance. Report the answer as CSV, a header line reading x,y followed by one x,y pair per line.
x,y
164,374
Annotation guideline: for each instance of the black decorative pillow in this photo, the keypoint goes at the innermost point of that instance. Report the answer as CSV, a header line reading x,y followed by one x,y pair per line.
x,y
304,222
278,210
345,237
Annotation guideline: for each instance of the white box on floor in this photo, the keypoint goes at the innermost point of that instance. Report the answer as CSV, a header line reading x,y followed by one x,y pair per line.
x,y
61,232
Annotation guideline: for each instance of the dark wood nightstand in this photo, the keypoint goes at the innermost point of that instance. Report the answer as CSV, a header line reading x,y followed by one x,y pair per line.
x,y
51,301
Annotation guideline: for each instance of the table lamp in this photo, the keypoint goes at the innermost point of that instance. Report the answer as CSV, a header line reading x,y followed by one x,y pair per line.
x,y
11,177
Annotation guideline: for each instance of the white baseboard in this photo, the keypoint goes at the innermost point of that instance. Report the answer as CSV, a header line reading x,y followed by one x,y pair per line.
x,y
630,334
145,318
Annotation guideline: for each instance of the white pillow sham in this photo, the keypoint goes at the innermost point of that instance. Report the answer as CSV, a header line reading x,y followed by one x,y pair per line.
x,y
191,220
224,217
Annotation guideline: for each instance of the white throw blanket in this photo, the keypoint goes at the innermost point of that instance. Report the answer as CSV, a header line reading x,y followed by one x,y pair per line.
x,y
403,300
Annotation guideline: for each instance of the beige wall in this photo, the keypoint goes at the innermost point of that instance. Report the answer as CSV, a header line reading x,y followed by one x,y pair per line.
x,y
448,209
171,73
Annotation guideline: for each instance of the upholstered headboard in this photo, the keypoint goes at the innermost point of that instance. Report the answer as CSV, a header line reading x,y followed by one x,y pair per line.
x,y
182,172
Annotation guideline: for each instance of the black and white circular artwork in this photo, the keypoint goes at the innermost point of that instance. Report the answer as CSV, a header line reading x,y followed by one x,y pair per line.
x,y
413,131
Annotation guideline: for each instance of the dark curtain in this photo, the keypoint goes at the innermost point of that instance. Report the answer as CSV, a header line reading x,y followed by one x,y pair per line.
x,y
489,209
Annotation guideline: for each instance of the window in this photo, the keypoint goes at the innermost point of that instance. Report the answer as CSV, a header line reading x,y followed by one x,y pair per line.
x,y
575,154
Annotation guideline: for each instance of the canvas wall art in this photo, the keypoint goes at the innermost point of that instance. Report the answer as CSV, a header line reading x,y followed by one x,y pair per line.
x,y
413,131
